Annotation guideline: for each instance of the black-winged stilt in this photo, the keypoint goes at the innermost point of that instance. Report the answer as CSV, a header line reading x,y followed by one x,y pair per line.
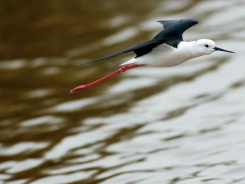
x,y
166,49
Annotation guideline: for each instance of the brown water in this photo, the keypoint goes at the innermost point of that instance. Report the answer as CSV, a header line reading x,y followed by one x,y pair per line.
x,y
180,125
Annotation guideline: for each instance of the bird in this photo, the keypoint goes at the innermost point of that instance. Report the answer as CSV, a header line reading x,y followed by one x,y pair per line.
x,y
166,49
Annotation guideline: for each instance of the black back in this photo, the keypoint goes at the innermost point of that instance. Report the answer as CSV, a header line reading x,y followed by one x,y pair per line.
x,y
172,35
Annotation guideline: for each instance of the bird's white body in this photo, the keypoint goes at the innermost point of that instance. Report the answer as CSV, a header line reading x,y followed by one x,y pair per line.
x,y
166,56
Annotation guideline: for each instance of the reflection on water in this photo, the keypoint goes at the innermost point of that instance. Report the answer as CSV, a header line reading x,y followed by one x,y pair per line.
x,y
149,125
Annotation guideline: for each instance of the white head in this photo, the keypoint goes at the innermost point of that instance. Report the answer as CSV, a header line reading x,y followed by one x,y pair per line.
x,y
206,47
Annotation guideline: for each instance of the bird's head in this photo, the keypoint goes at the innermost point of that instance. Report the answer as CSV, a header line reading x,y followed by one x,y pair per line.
x,y
206,47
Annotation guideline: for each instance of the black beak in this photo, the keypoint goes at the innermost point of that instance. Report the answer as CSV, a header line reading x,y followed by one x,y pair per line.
x,y
219,49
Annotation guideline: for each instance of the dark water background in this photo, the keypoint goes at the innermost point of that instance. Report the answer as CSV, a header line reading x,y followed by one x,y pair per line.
x,y
180,125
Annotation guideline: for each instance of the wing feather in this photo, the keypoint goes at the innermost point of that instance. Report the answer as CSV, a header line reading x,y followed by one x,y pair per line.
x,y
139,50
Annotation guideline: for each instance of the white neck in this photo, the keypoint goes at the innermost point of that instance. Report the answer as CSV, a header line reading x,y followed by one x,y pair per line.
x,y
188,49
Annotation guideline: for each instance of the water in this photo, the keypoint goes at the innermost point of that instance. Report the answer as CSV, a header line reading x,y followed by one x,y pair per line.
x,y
179,125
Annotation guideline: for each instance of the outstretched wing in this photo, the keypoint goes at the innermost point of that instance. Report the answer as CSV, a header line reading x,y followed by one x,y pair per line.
x,y
174,29
139,50
172,35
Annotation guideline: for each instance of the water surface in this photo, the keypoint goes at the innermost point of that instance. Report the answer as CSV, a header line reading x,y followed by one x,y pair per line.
x,y
180,125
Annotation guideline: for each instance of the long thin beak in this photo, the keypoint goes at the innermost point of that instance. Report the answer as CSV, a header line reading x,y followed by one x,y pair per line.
x,y
219,49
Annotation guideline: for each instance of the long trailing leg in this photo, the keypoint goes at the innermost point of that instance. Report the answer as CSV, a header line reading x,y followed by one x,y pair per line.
x,y
122,69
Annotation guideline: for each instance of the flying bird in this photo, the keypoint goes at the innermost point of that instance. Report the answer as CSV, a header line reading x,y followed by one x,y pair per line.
x,y
166,49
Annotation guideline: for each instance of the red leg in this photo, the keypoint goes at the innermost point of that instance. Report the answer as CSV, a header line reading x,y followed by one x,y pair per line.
x,y
123,69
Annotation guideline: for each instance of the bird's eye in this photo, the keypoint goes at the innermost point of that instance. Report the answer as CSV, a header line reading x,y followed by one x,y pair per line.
x,y
206,46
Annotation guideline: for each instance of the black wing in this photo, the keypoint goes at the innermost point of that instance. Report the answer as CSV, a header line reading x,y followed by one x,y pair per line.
x,y
139,50
173,29
172,35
